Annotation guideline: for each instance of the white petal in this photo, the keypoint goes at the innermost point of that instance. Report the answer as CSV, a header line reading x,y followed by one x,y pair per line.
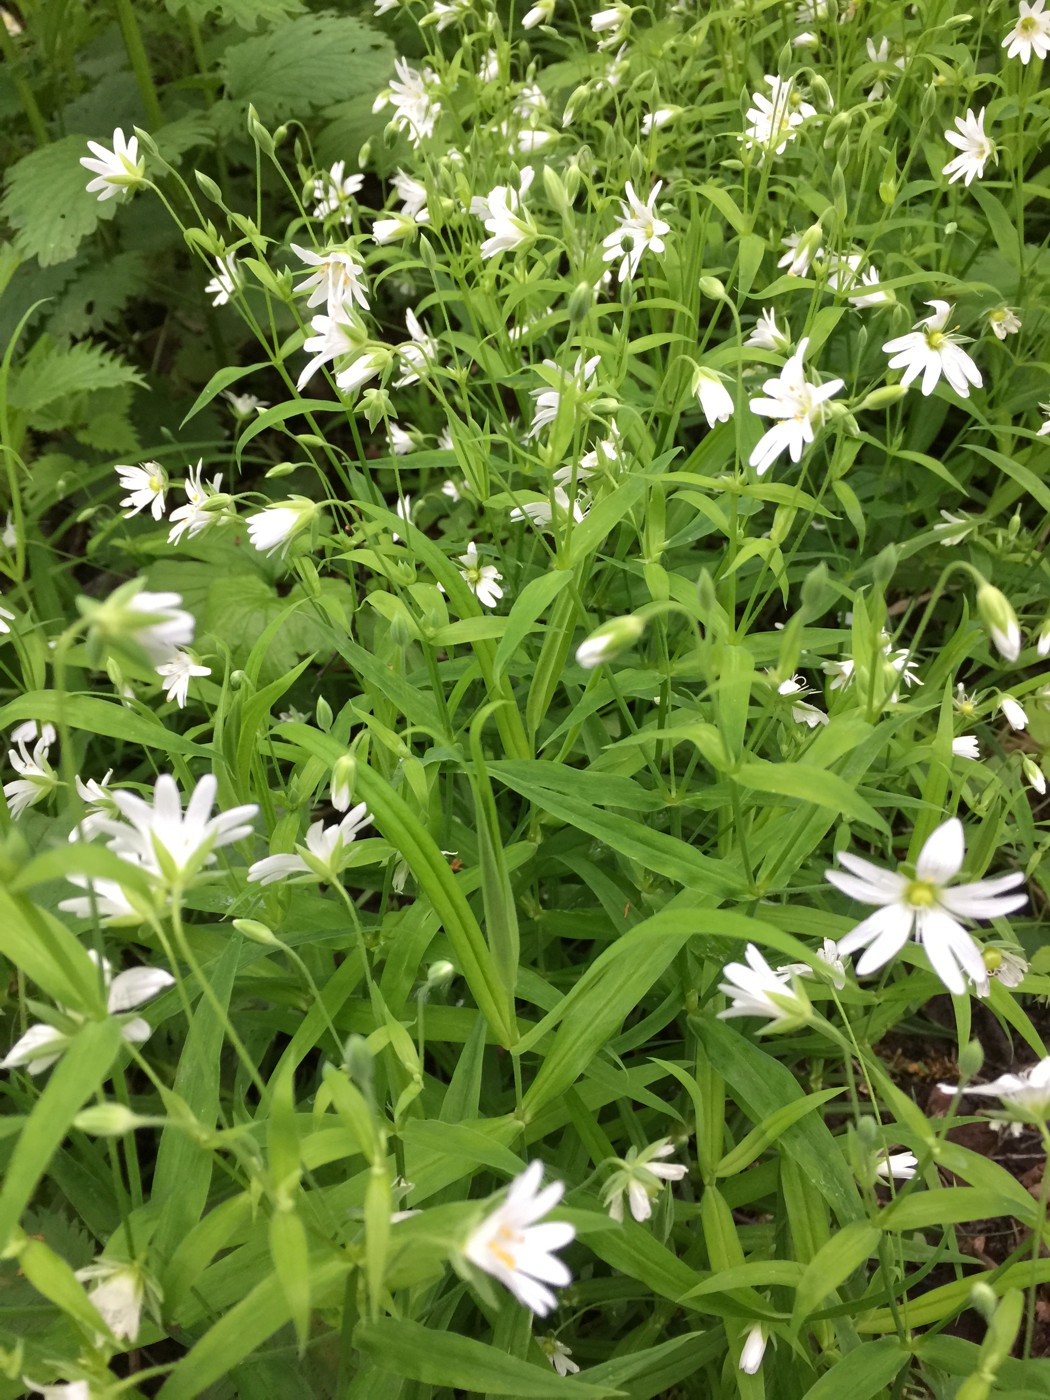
x,y
942,855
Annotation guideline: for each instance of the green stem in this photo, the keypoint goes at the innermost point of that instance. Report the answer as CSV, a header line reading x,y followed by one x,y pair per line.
x,y
136,51
29,103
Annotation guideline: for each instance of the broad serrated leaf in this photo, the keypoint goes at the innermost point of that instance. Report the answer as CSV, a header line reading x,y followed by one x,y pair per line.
x,y
47,205
307,63
246,14
56,372
97,296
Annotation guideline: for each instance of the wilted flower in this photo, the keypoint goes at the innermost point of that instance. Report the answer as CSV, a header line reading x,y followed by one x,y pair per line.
x,y
509,1245
559,1355
1003,322
119,172
641,1176
925,905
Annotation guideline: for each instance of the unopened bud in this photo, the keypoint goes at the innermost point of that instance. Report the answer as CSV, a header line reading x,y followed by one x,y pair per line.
x,y
971,1058
357,1059
344,775
323,714
712,288
581,301
1034,775
208,186
1042,641
257,932
258,132
440,974
882,397
108,1120
994,610
983,1299
556,191
609,640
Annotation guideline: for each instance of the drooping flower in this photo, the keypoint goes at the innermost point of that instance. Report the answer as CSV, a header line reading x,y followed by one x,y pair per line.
x,y
119,1293
337,279
798,407
119,172
542,13
43,1044
274,527
569,385
1003,322
767,335
754,1349
505,217
413,197
227,281
715,399
1025,1095
483,580
36,778
654,121
974,147
417,354
334,193
1013,712
559,1355
755,989
828,955
145,486
513,1248
177,674
925,904
896,1166
99,799
6,617
931,351
413,94
544,511
322,857
801,251
966,746
640,1176
244,406
1030,34
613,24
997,613
168,844
639,229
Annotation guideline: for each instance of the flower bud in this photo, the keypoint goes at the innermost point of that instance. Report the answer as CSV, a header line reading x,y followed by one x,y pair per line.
x,y
344,775
1034,775
108,1120
208,186
323,713
882,397
258,132
712,288
994,610
984,1299
580,303
1042,641
607,641
971,1058
257,932
440,974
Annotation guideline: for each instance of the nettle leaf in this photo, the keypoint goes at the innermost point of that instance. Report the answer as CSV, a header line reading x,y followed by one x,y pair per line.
x,y
47,205
53,372
307,63
246,14
98,295
240,608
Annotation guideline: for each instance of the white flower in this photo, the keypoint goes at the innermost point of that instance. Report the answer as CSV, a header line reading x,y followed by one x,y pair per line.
x,y
1030,34
243,406
227,281
204,505
1025,1095
334,337
118,172
452,491
412,94
9,535
542,13
966,746
870,278
715,399
64,1390
106,901
1013,712
767,335
753,1350
830,957
1034,775
30,731
639,228
448,14
322,856
804,713
953,529
641,1176
548,400
118,1295
896,1166
36,780
1042,641
925,905
802,248
99,799
402,441
509,1245
334,193
506,218
417,354
755,989
483,580
336,281
403,510
1005,965
653,121
145,486
883,56
176,675
933,351
774,121
488,71
277,525
613,23
1004,322
167,843
396,227
974,147
413,197
559,1355
542,514
42,1045
798,406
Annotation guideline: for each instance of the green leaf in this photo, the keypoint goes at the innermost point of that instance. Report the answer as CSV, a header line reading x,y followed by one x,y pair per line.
x,y
46,203
809,784
98,716
81,1070
53,372
832,1265
246,14
306,64
863,1373
529,605
459,1363
767,1132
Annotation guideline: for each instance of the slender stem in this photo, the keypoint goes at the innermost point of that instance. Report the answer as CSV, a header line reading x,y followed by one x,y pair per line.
x,y
136,51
